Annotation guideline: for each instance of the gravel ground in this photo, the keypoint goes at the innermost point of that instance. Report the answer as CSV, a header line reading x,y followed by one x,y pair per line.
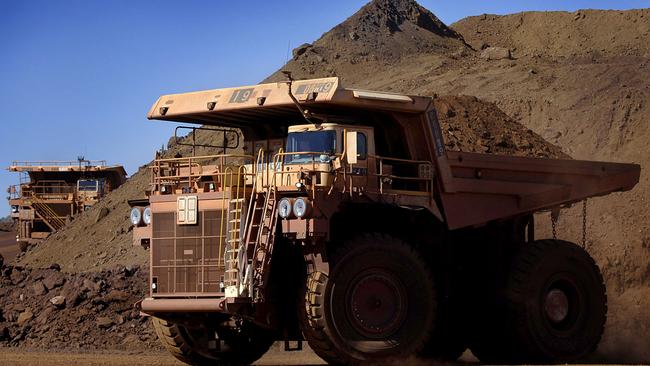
x,y
14,357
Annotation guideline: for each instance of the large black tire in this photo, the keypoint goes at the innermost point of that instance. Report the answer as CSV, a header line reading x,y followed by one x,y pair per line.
x,y
555,306
378,303
191,345
557,302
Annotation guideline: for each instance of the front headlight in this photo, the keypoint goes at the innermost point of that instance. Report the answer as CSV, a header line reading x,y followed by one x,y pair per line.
x,y
284,208
146,216
136,216
301,207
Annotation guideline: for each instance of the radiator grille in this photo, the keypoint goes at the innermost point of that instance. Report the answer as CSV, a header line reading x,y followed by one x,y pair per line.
x,y
188,258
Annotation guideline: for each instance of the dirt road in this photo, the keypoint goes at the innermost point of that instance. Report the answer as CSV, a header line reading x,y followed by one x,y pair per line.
x,y
8,246
275,356
15,357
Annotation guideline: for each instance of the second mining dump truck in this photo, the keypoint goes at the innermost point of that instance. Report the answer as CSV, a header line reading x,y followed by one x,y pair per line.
x,y
52,192
336,216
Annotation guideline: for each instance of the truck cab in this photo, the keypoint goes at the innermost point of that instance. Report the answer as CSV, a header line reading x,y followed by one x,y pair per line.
x,y
89,192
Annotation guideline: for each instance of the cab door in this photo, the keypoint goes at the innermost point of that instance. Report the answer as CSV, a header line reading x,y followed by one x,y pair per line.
x,y
361,140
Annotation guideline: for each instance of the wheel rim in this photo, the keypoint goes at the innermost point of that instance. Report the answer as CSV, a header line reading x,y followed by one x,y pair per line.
x,y
377,304
562,304
556,306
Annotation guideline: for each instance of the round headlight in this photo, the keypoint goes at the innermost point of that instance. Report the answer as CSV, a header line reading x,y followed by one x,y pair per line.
x,y
301,207
284,208
146,216
136,216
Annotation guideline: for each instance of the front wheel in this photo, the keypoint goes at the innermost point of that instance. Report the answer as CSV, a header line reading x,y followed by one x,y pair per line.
x,y
378,303
201,346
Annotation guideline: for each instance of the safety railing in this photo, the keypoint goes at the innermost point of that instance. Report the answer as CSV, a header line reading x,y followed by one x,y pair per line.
x,y
46,190
189,170
51,217
420,182
84,163
423,180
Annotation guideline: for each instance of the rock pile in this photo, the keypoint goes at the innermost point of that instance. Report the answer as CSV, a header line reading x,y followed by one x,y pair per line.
x,y
49,309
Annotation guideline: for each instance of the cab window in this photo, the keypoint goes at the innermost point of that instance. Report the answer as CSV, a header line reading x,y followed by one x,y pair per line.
x,y
362,146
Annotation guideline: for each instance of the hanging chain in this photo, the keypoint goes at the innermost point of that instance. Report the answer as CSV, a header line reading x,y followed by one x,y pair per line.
x,y
554,225
584,224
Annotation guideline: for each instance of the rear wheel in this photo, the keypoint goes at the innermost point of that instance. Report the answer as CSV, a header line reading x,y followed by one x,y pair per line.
x,y
554,309
199,346
379,302
556,301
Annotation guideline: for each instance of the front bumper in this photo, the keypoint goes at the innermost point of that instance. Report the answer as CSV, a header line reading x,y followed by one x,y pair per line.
x,y
220,305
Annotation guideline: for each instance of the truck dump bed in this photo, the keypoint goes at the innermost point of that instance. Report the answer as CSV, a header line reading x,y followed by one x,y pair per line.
x,y
484,187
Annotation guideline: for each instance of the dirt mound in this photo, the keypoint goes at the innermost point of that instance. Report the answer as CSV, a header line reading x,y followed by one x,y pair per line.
x,y
584,33
98,238
382,33
472,125
48,309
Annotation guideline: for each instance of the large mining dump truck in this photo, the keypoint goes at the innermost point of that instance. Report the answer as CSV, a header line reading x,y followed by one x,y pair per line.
x,y
52,192
336,216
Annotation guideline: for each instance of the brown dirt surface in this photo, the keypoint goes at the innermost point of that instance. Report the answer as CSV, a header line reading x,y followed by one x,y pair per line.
x,y
50,309
28,357
584,33
8,247
578,80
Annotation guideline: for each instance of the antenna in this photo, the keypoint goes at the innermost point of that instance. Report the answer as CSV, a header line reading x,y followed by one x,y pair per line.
x,y
288,50
305,113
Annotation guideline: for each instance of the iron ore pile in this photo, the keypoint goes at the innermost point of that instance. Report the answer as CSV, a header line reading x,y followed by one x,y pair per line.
x,y
50,309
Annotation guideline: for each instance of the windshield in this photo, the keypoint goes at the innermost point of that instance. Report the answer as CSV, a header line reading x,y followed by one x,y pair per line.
x,y
87,185
323,142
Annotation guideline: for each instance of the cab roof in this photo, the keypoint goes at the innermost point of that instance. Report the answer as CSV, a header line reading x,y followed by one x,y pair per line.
x,y
74,169
267,104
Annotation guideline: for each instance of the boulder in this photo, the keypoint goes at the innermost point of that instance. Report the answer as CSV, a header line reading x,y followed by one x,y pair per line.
x,y
38,288
104,322
496,53
17,275
54,280
90,286
44,316
301,49
116,295
24,317
58,301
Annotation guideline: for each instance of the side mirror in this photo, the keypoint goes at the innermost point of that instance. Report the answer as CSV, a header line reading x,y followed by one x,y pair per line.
x,y
351,146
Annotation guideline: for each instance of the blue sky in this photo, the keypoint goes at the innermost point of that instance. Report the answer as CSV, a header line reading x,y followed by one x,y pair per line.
x,y
77,77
